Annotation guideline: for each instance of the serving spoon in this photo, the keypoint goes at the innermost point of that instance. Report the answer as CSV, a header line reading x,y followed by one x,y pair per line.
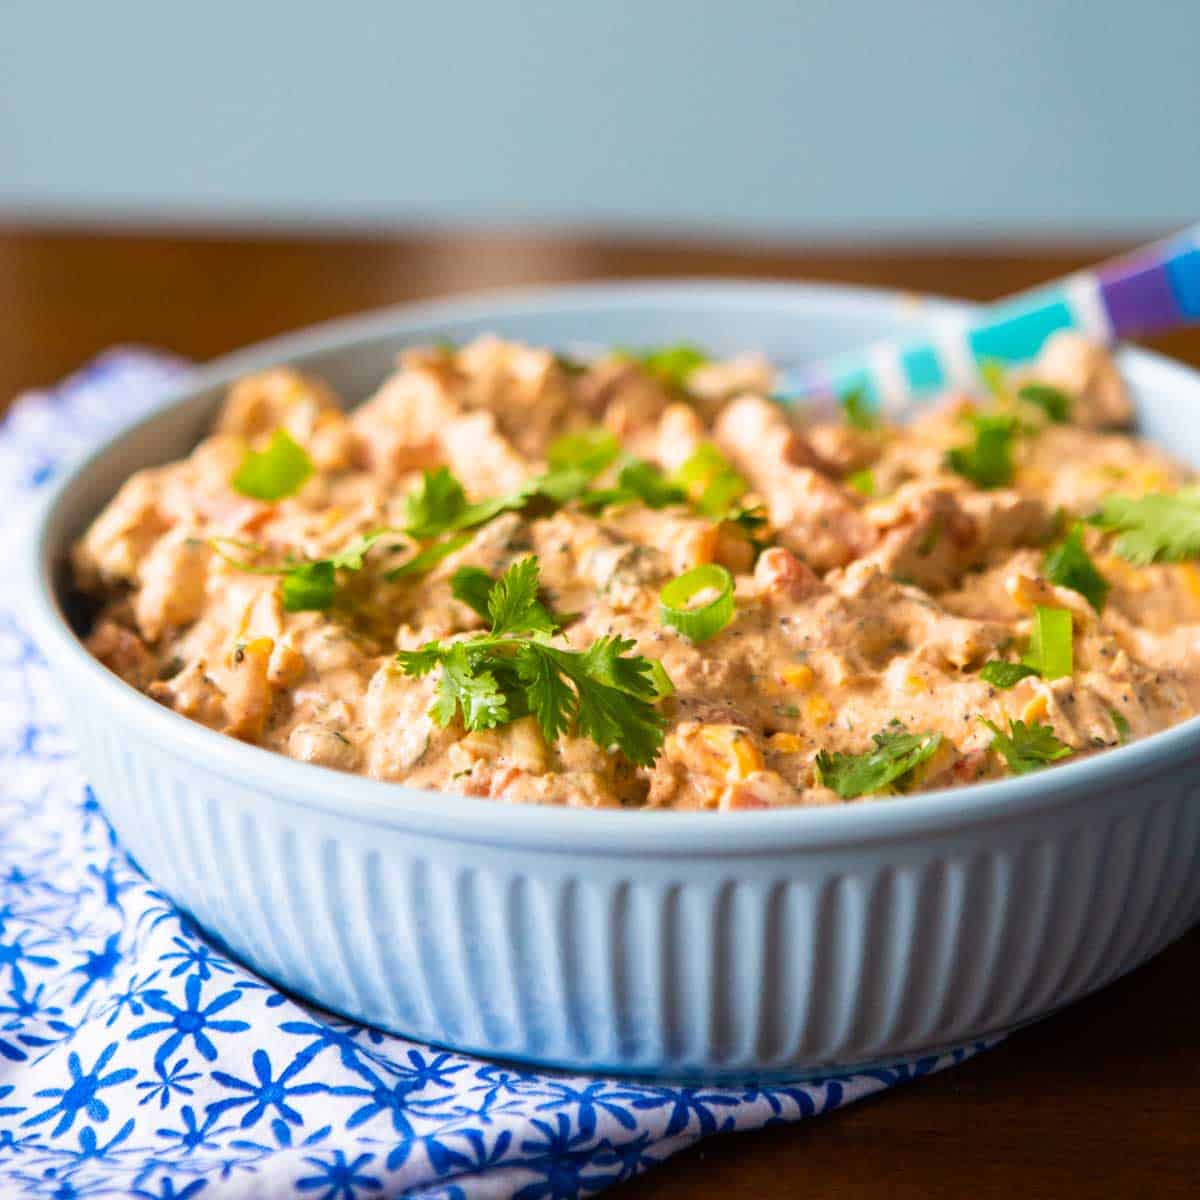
x,y
1150,290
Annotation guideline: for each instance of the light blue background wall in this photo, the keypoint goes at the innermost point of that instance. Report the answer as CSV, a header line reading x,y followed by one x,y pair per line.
x,y
813,118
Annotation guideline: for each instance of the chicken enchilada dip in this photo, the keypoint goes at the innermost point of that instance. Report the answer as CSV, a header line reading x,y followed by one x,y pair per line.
x,y
639,580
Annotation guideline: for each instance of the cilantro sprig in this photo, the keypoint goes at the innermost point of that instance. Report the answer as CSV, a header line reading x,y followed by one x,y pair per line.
x,y
988,460
706,480
1157,527
496,677
1069,565
1025,747
896,754
307,585
275,473
439,505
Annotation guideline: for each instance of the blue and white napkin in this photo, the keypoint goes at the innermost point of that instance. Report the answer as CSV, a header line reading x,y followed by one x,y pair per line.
x,y
137,1060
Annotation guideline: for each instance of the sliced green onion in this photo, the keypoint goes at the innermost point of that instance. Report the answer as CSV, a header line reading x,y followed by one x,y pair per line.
x,y
710,480
698,624
1051,652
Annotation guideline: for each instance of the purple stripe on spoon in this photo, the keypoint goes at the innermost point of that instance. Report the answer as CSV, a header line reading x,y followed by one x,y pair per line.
x,y
1139,298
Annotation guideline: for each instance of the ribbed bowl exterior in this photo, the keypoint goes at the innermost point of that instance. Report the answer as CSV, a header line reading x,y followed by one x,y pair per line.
x,y
683,945
704,965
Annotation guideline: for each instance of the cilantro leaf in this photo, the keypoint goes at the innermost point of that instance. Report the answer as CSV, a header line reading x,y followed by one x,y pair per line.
x,y
421,661
1027,747
1005,674
1069,565
590,450
513,604
434,506
896,754
509,604
1054,403
857,411
438,505
472,585
649,485
605,662
549,696
1158,527
987,461
614,697
637,480
276,472
353,556
465,685
309,587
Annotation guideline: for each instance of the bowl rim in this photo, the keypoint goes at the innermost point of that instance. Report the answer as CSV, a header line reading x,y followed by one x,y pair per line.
x,y
659,833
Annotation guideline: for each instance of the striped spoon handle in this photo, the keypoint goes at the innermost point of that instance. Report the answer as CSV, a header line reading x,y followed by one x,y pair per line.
x,y
1149,291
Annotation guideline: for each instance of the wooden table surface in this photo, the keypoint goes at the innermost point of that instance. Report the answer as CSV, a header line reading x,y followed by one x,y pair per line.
x,y
1100,1101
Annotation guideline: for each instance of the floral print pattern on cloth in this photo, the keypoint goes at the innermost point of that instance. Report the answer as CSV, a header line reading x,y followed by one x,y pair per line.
x,y
137,1060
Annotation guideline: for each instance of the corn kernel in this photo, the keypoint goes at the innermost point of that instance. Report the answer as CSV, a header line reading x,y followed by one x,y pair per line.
x,y
735,748
786,743
1150,479
915,683
1035,709
1191,578
259,648
818,710
746,757
800,676
699,547
287,666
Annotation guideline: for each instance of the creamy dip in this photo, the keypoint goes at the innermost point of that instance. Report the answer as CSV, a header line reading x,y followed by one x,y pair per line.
x,y
898,591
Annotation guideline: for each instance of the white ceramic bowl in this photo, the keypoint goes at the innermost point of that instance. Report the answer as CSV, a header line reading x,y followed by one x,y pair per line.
x,y
675,944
